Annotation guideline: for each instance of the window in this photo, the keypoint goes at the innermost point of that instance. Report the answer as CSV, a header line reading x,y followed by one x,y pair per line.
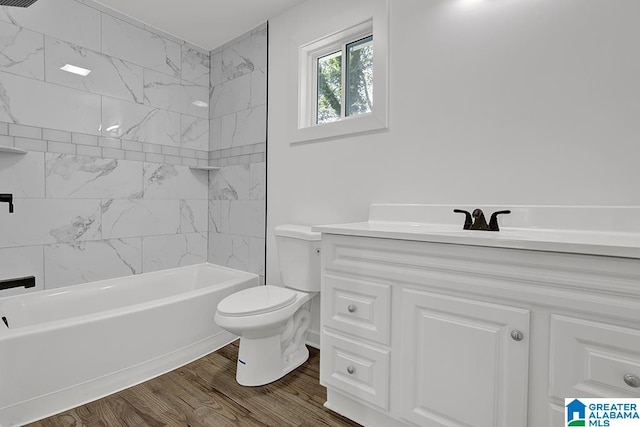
x,y
344,81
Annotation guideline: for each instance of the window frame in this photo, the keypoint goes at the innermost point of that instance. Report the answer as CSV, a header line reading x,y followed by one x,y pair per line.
x,y
301,123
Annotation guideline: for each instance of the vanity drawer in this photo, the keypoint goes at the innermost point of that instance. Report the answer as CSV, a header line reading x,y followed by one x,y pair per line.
x,y
591,359
357,307
355,368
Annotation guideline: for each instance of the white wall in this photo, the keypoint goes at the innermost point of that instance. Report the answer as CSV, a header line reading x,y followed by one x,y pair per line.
x,y
491,102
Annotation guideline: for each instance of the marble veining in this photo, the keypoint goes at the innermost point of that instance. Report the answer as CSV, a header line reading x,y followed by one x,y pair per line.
x,y
231,251
110,76
231,96
257,189
21,51
34,103
215,62
140,123
162,252
67,20
116,245
174,94
5,106
105,259
82,176
160,174
194,133
259,87
166,181
235,65
193,216
74,230
215,215
195,66
245,56
142,47
244,128
139,217
46,221
231,183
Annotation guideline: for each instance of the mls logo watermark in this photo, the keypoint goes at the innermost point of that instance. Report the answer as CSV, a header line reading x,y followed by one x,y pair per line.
x,y
609,412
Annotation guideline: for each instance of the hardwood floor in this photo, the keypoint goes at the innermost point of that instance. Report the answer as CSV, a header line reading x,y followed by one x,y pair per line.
x,y
205,393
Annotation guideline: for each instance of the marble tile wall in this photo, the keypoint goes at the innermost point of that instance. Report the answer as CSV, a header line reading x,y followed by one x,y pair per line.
x,y
95,201
237,192
80,218
141,89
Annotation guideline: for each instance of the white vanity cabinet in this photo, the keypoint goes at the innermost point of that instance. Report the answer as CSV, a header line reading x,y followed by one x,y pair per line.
x,y
417,333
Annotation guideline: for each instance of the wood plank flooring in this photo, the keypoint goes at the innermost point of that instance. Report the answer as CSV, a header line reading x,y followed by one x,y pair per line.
x,y
205,393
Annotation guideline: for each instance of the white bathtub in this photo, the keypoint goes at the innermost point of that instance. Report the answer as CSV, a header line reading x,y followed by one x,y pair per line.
x,y
69,346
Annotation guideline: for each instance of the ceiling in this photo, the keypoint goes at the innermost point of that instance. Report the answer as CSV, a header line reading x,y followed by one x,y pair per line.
x,y
204,23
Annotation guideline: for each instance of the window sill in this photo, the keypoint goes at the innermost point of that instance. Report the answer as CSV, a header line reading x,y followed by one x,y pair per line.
x,y
359,124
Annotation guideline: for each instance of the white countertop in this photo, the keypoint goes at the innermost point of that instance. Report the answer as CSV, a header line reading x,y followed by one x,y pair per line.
x,y
581,230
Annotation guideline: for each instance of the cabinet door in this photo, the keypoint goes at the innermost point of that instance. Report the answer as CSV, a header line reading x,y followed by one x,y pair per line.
x,y
465,362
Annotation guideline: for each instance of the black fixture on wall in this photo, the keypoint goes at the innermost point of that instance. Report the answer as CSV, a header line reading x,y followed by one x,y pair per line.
x,y
26,282
7,198
17,3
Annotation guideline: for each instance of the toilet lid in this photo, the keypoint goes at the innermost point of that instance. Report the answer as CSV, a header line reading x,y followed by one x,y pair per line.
x,y
256,300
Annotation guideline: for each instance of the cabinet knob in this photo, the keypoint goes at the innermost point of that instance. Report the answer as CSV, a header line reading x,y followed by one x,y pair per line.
x,y
351,308
632,380
350,370
516,335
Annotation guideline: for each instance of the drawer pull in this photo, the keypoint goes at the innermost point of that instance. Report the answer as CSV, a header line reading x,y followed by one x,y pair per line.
x,y
351,308
517,335
632,380
350,370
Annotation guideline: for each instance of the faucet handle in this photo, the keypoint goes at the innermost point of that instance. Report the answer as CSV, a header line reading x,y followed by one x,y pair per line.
x,y
493,222
467,220
7,198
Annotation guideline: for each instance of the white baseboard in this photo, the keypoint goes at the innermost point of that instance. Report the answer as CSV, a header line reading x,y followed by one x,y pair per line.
x,y
313,339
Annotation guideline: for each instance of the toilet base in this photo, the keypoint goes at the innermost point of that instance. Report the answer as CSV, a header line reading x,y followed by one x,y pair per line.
x,y
267,359
260,361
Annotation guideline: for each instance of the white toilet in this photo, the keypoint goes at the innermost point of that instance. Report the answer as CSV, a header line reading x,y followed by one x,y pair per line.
x,y
272,321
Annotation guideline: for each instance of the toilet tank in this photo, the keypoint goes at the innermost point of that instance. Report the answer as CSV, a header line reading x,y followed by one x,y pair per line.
x,y
299,257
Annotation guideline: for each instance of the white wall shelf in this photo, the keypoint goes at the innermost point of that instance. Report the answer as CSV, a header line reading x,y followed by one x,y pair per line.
x,y
12,150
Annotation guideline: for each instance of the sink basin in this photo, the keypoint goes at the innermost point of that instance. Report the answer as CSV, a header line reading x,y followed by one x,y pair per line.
x,y
595,230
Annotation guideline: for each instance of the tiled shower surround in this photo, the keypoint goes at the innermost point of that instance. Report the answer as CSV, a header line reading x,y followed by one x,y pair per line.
x,y
237,192
94,202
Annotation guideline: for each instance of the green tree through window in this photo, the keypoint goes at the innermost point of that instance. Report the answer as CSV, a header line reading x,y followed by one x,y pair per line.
x,y
351,67
329,88
360,76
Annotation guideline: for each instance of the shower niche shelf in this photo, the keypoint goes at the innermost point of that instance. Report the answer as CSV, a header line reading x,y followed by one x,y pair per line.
x,y
204,168
12,150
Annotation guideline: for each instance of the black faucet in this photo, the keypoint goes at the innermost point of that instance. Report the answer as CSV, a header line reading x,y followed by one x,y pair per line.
x,y
480,223
7,198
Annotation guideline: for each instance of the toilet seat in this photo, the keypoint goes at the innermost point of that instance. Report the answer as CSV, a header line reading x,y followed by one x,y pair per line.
x,y
256,300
